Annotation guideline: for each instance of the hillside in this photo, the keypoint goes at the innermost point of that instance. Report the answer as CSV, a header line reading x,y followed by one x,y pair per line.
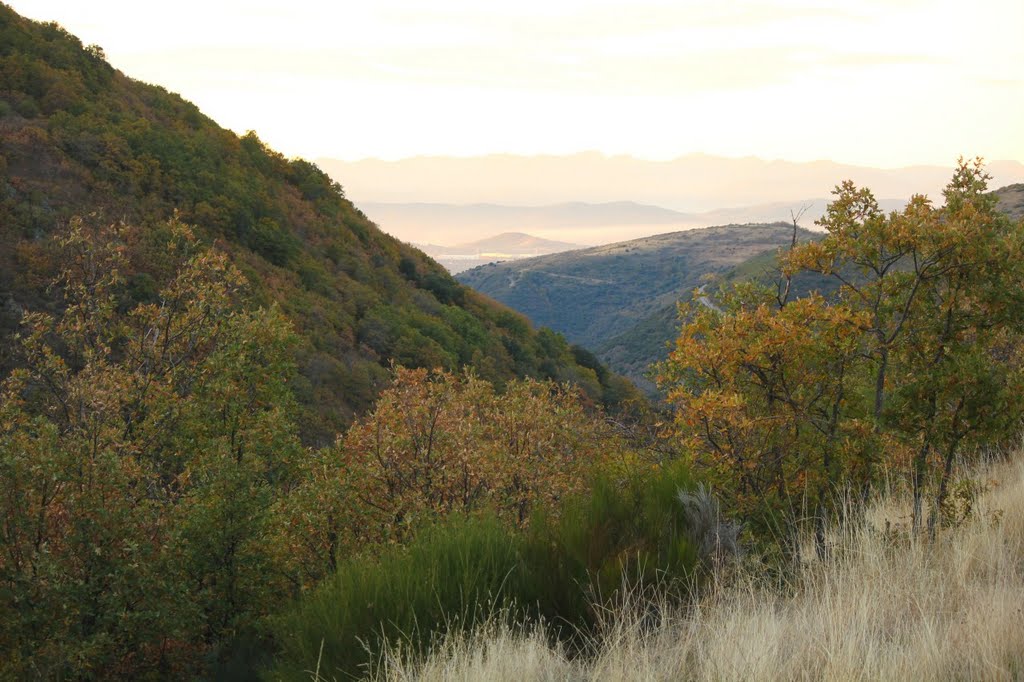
x,y
1011,200
620,299
78,138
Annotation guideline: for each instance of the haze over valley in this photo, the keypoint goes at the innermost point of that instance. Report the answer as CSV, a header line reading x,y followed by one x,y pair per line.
x,y
593,199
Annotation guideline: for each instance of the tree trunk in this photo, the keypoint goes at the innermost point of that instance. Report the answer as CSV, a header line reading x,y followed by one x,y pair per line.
x,y
940,497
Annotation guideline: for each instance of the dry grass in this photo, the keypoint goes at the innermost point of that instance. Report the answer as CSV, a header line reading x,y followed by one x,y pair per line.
x,y
883,606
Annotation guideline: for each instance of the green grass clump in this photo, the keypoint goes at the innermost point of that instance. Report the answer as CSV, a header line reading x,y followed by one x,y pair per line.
x,y
451,575
626,533
458,574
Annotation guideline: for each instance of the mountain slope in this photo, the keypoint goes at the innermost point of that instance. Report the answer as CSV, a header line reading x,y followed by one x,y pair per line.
x,y
633,351
595,295
1011,200
79,138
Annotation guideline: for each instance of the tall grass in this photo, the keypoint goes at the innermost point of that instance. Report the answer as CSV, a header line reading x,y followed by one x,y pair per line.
x,y
881,605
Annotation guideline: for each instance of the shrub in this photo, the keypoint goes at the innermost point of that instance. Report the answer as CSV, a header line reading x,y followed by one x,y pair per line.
x,y
451,575
454,576
627,532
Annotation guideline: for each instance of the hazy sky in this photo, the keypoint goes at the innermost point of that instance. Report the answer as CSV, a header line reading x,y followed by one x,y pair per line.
x,y
875,82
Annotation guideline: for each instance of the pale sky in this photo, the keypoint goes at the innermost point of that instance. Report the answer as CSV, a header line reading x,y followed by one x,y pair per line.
x,y
874,82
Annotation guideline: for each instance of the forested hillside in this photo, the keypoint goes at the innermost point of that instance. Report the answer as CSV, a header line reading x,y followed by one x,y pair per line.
x,y
620,300
78,138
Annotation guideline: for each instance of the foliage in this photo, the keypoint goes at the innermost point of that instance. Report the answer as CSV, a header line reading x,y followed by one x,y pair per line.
x,y
455,575
141,447
439,443
760,394
628,531
916,355
156,502
86,139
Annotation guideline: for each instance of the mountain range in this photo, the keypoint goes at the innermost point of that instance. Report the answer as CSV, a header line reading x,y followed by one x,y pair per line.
x,y
691,184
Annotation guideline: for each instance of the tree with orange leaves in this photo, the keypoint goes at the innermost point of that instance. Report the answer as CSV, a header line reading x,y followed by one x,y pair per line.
x,y
914,361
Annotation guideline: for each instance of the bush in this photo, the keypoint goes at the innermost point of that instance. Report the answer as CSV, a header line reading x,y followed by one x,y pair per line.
x,y
451,575
455,576
629,533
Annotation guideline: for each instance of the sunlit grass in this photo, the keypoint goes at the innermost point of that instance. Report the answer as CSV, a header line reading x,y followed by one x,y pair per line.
x,y
881,606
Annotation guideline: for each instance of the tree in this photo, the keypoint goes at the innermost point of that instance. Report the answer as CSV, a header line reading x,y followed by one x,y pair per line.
x,y
140,448
438,444
942,291
915,358
763,401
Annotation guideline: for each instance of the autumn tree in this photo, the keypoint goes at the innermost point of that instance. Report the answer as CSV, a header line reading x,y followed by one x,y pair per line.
x,y
914,359
439,443
140,447
763,400
940,289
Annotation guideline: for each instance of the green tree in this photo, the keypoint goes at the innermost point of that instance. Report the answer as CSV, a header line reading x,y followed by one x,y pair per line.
x,y
141,446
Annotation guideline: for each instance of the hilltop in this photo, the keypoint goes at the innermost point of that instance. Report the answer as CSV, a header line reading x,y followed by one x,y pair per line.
x,y
79,138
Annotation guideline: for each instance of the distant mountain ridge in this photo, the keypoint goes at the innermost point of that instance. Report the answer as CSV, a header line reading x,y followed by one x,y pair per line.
x,y
693,183
514,243
500,247
578,222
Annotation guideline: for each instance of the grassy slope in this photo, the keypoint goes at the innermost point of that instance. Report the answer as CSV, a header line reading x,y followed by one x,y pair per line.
x,y
883,607
80,138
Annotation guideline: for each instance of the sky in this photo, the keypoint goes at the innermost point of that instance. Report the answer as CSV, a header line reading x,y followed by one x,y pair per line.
x,y
884,83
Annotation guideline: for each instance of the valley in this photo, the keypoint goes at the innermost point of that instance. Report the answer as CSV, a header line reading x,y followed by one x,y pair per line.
x,y
619,300
532,414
